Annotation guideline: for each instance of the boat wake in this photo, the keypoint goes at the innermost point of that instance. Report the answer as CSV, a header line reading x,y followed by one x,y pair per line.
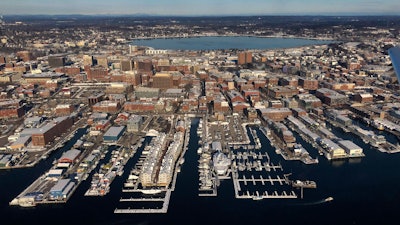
x,y
316,202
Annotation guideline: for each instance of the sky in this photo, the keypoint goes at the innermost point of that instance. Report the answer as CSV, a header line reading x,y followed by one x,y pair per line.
x,y
201,7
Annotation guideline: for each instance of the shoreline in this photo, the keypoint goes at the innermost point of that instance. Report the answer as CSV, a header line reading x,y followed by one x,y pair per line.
x,y
233,35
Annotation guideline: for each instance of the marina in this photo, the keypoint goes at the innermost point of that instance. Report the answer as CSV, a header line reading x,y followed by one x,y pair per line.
x,y
144,189
247,163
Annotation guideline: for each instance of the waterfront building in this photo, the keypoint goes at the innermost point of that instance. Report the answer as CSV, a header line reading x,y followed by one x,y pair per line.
x,y
283,133
20,143
334,150
351,148
113,134
168,163
61,189
69,156
45,134
338,117
154,150
152,51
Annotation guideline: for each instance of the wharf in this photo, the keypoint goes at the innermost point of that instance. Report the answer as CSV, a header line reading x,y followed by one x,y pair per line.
x,y
164,208
265,194
141,200
167,190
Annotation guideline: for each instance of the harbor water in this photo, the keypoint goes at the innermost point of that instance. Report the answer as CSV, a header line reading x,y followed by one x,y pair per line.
x,y
365,191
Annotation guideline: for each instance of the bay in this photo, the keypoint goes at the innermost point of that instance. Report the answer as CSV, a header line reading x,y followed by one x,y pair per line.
x,y
226,42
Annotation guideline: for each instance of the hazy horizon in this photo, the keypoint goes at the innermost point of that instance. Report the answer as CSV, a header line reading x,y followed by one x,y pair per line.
x,y
203,8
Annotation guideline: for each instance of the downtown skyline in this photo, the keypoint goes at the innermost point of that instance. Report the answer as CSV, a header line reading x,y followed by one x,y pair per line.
x,y
203,8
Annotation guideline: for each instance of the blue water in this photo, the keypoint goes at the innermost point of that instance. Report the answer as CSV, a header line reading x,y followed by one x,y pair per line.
x,y
212,43
365,191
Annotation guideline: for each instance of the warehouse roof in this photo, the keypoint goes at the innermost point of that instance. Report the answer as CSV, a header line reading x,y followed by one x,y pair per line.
x,y
114,131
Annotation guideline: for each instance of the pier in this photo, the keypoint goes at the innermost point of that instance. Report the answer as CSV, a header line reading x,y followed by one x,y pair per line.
x,y
164,208
167,190
262,180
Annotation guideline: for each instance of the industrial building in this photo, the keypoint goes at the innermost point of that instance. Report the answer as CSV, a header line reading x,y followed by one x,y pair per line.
x,y
43,135
351,148
334,150
114,134
61,189
20,143
69,156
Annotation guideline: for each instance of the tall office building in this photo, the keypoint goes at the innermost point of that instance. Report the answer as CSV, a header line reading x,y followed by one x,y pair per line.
x,y
87,60
244,58
126,65
56,61
102,61
163,80
25,56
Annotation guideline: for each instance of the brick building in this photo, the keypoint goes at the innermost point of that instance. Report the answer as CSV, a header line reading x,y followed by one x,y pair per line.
x,y
64,109
138,106
11,109
45,134
275,114
106,106
163,81
308,83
